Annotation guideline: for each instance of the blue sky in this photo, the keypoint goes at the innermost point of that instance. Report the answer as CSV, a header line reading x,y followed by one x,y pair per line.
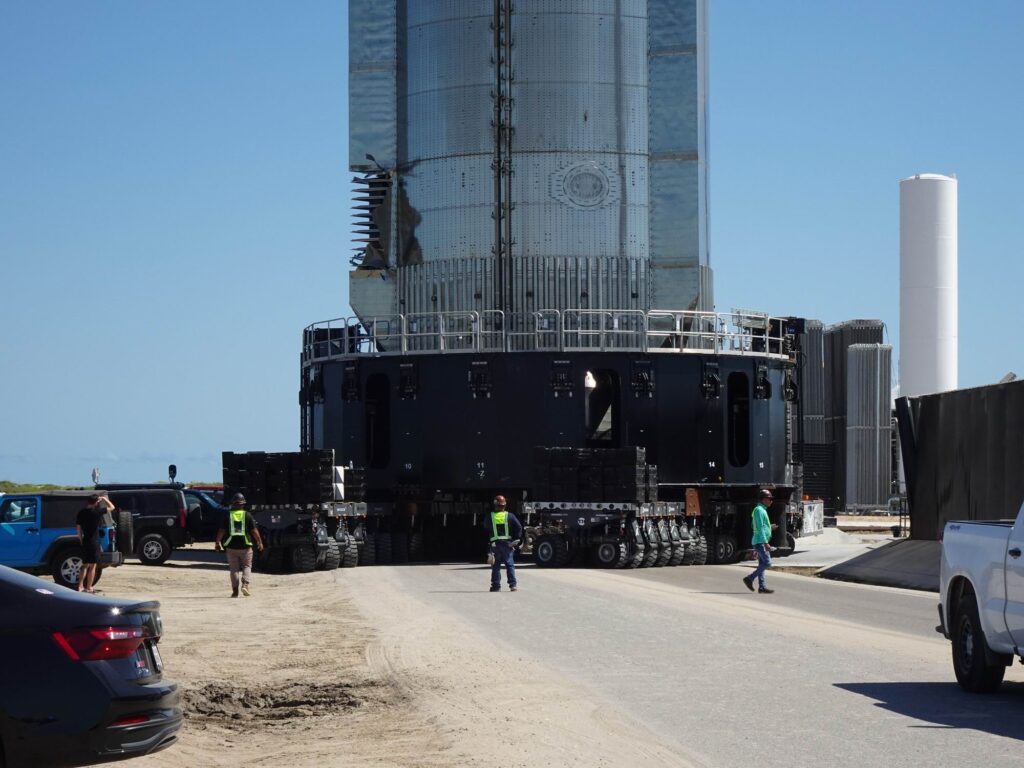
x,y
174,201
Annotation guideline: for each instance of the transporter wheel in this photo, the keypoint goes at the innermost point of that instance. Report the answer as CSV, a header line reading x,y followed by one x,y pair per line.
x,y
125,532
303,557
368,550
383,548
349,554
417,547
271,560
701,551
637,552
650,544
624,558
665,545
604,554
791,543
332,558
970,651
399,547
551,551
690,551
725,548
153,549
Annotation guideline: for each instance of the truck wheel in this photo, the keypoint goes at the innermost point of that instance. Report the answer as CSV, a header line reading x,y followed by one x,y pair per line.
x,y
125,532
651,545
368,552
332,559
303,558
725,548
624,558
66,567
604,554
970,651
791,542
551,551
637,556
153,549
399,547
383,548
701,551
417,547
350,554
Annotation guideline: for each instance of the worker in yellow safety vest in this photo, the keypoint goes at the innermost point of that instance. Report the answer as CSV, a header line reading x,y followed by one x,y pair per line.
x,y
237,540
505,532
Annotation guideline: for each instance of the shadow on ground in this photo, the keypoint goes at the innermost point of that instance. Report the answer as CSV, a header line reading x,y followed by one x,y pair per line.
x,y
945,705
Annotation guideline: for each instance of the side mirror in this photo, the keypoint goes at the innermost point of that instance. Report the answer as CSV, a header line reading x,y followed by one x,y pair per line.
x,y
195,506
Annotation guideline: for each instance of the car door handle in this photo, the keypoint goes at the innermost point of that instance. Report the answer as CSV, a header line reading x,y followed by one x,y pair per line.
x,y
1015,552
31,530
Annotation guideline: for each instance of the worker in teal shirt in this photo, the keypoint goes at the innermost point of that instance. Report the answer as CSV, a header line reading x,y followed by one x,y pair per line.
x,y
762,535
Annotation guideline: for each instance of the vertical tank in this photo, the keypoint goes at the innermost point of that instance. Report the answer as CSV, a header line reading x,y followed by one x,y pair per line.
x,y
928,284
507,154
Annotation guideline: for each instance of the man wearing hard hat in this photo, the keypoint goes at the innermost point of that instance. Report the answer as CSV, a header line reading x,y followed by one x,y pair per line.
x,y
505,531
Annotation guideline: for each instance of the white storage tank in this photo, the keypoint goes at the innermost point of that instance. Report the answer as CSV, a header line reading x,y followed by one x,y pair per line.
x,y
928,284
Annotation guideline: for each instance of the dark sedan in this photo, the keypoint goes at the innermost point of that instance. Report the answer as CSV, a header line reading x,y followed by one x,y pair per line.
x,y
81,678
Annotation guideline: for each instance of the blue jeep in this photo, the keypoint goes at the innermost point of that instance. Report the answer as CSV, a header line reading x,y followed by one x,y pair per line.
x,y
38,535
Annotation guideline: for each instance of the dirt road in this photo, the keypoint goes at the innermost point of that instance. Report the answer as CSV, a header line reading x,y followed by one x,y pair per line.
x,y
346,668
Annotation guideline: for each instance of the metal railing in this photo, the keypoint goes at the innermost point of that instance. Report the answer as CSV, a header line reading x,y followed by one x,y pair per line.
x,y
550,330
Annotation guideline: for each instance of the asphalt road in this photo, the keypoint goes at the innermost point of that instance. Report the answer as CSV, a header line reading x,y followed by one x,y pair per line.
x,y
820,673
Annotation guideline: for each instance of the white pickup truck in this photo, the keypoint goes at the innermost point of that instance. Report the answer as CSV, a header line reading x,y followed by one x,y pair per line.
x,y
981,598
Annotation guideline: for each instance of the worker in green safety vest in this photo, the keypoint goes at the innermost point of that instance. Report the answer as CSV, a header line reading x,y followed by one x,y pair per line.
x,y
237,540
505,531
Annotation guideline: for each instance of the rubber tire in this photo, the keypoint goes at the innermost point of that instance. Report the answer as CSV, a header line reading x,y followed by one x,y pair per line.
x,y
973,672
125,532
303,558
725,548
664,545
790,542
701,551
551,551
400,547
604,554
332,559
651,547
74,570
624,558
350,554
156,543
417,547
271,560
383,548
368,551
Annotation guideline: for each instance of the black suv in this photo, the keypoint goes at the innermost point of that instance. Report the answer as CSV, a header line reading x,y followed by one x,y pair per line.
x,y
159,519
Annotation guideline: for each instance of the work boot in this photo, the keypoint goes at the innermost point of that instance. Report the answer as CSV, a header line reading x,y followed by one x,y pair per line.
x,y
748,583
766,591
234,594
495,589
513,588
245,590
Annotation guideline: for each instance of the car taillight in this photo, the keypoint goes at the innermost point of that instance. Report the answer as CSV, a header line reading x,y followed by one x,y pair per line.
x,y
100,643
182,514
133,720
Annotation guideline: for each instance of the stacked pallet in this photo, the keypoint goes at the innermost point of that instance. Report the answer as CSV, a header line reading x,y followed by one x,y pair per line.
x,y
594,475
298,478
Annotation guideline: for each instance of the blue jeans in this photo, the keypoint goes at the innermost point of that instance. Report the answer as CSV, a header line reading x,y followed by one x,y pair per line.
x,y
764,560
503,555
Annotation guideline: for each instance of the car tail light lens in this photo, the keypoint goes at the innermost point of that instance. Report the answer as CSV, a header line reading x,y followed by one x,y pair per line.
x,y
133,720
182,515
100,643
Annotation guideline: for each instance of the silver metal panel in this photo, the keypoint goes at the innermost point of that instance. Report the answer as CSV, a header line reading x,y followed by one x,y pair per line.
x,y
868,426
677,82
373,83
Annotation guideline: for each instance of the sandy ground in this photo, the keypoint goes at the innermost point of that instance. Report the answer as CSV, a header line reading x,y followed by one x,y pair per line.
x,y
343,668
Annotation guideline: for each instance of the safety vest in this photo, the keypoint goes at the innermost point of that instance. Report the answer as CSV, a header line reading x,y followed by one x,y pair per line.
x,y
499,526
236,527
